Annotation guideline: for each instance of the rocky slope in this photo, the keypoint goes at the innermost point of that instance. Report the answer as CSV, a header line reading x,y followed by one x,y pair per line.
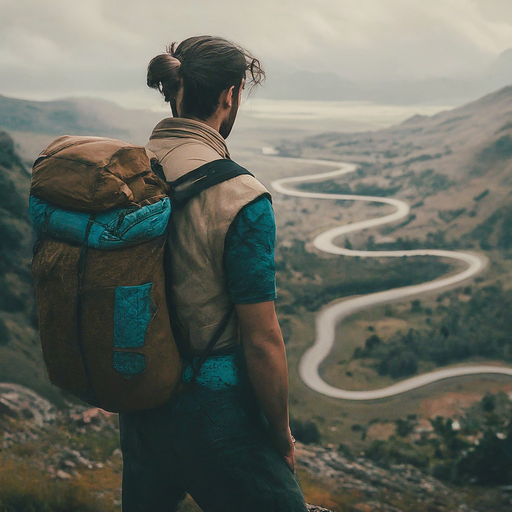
x,y
75,450
20,354
398,488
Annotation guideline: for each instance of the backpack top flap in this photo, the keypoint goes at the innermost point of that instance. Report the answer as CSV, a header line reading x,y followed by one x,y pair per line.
x,y
95,174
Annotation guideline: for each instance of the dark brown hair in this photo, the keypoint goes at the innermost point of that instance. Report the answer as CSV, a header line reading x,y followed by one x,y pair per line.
x,y
206,66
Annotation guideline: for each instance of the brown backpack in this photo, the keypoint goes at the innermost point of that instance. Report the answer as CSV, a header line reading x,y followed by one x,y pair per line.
x,y
103,317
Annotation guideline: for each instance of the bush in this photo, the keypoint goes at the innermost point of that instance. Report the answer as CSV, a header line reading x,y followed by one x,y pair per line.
x,y
386,453
5,334
489,463
402,364
403,427
488,402
305,431
372,342
345,451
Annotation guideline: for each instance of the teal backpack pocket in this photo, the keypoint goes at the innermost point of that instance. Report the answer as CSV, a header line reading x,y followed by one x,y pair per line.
x,y
129,364
132,314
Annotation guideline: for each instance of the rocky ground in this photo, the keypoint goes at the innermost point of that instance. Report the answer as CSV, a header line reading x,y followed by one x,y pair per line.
x,y
399,487
75,451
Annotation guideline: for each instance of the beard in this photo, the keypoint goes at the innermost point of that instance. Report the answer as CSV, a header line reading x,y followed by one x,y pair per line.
x,y
227,124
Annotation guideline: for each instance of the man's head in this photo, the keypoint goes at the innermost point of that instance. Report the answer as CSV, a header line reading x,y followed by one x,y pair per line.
x,y
203,77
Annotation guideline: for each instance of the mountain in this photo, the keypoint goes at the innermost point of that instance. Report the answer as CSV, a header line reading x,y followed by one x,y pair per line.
x,y
333,86
311,86
75,116
454,168
501,69
457,161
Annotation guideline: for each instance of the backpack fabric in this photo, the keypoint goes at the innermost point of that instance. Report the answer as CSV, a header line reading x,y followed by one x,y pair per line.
x,y
115,228
95,174
100,211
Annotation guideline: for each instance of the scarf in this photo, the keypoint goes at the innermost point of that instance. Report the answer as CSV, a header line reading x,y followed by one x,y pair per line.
x,y
182,128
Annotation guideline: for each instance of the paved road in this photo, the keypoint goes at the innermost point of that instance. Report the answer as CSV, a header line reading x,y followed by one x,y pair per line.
x,y
328,318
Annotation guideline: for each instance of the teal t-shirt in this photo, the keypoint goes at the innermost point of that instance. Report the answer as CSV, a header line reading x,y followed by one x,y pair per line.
x,y
249,254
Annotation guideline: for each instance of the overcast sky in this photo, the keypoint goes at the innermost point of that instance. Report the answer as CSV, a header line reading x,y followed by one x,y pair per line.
x,y
58,48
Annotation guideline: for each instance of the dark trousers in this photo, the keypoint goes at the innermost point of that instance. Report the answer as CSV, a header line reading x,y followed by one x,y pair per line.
x,y
212,444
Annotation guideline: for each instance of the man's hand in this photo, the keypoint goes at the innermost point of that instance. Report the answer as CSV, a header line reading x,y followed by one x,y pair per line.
x,y
285,445
265,357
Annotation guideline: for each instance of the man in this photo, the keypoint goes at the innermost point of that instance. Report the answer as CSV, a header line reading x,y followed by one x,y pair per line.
x,y
225,438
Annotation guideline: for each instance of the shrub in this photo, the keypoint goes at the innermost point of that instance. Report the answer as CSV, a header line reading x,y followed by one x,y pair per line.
x,y
386,453
5,334
489,463
305,431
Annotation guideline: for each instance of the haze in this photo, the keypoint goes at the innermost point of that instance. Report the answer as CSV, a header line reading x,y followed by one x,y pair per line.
x,y
101,48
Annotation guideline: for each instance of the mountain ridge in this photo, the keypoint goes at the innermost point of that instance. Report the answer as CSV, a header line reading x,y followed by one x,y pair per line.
x,y
76,116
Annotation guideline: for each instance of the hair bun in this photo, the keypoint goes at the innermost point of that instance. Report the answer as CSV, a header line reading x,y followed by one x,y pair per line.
x,y
164,75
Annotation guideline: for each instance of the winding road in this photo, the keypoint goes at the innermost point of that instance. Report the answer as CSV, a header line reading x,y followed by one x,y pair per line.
x,y
331,316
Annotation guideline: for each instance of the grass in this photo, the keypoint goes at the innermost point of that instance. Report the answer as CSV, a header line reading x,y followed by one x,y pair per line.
x,y
25,488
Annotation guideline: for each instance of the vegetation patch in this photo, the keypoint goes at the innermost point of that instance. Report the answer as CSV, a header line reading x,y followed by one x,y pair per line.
x,y
474,448
429,182
338,187
450,215
306,280
480,327
498,150
423,158
496,231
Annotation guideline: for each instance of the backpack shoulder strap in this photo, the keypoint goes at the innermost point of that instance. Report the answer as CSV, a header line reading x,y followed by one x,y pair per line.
x,y
183,189
202,178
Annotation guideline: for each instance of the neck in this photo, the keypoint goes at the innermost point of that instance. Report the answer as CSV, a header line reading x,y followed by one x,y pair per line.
x,y
213,122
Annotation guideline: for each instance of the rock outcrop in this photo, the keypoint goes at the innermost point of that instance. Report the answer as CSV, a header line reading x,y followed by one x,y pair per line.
x,y
22,403
380,488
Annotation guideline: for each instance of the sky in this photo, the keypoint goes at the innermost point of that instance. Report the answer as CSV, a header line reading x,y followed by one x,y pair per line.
x,y
60,48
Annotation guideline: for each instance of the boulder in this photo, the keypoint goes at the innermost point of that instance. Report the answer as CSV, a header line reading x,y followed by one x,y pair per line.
x,y
22,403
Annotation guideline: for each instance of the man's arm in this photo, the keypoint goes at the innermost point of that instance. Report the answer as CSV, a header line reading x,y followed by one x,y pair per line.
x,y
267,368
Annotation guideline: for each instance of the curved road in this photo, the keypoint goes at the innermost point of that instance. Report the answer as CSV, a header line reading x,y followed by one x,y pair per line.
x,y
331,316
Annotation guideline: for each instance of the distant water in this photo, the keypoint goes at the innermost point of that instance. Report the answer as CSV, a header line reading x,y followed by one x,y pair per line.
x,y
327,115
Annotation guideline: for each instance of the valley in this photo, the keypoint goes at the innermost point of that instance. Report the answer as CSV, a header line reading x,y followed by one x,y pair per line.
x,y
453,169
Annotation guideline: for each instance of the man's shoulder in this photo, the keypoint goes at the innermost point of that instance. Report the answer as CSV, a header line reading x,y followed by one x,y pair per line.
x,y
243,186
180,157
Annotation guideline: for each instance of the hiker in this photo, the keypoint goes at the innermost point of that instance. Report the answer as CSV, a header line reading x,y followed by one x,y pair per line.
x,y
224,437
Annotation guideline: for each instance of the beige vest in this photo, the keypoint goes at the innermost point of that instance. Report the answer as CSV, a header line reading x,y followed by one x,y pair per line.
x,y
198,230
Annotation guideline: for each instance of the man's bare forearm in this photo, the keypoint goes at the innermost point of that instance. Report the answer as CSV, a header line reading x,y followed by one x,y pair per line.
x,y
268,373
266,362
265,356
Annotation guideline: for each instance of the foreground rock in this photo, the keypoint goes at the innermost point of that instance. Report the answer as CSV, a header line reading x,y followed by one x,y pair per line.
x,y
381,489
80,444
23,403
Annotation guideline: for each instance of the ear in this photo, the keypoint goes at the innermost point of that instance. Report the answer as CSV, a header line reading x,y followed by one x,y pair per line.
x,y
227,97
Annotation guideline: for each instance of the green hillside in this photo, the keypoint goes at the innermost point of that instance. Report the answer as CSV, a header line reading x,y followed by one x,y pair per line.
x,y
20,354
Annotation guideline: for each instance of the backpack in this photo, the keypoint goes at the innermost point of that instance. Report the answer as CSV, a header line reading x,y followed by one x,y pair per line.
x,y
100,209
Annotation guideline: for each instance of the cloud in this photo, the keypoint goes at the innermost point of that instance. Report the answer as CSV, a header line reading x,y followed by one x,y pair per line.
x,y
70,47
